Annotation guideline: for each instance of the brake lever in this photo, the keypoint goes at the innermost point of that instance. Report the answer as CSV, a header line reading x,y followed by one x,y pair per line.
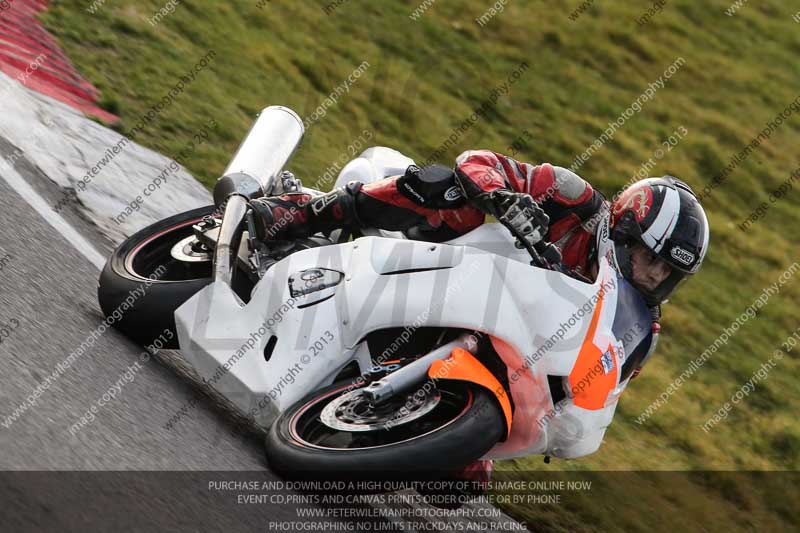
x,y
543,254
550,253
546,255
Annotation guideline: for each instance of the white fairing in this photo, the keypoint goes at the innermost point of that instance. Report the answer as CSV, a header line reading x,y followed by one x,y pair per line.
x,y
479,281
517,303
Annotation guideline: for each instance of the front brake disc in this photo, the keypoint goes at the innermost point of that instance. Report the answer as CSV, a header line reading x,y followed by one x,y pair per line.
x,y
353,411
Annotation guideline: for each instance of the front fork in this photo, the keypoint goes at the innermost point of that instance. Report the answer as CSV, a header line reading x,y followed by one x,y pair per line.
x,y
410,375
455,361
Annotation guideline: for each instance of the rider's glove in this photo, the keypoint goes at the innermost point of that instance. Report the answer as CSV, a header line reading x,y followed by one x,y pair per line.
x,y
519,213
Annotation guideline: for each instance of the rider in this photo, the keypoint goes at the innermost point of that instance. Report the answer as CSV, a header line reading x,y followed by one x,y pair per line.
x,y
658,230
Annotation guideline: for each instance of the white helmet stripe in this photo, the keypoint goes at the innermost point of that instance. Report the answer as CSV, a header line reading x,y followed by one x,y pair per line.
x,y
661,229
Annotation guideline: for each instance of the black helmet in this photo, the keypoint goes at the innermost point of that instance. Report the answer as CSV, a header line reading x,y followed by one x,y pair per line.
x,y
663,215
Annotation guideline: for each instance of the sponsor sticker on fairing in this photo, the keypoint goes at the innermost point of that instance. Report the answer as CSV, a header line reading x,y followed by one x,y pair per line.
x,y
607,360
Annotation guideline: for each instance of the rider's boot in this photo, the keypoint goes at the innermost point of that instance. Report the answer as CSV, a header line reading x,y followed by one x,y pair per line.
x,y
297,215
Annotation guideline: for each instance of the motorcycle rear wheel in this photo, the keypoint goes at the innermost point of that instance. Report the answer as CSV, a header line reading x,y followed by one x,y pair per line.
x,y
466,424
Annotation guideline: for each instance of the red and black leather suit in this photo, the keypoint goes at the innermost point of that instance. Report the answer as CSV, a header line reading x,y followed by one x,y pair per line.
x,y
429,204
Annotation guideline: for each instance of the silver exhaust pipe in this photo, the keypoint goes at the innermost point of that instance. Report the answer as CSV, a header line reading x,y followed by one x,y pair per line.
x,y
269,144
266,149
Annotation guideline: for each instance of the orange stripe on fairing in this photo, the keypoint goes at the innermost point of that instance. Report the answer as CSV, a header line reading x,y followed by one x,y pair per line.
x,y
463,366
589,384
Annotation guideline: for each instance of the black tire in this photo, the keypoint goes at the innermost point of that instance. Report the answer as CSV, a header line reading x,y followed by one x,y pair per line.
x,y
128,270
433,454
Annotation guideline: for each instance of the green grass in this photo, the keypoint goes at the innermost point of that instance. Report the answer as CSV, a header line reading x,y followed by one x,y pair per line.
x,y
425,77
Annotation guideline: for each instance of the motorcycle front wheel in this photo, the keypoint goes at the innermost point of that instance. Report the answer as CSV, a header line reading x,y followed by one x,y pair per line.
x,y
143,284
335,433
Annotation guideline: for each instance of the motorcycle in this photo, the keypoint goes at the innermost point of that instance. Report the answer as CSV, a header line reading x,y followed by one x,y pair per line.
x,y
372,355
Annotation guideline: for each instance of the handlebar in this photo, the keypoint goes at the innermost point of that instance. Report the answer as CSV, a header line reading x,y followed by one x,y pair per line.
x,y
547,255
544,254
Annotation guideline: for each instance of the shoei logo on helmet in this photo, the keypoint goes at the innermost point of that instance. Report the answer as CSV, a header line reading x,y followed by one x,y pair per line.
x,y
453,193
638,199
681,255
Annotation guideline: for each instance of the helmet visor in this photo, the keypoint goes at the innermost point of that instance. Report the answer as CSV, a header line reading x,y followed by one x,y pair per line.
x,y
655,278
664,290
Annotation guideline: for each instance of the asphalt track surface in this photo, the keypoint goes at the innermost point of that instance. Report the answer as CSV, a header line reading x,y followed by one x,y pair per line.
x,y
134,473
49,289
